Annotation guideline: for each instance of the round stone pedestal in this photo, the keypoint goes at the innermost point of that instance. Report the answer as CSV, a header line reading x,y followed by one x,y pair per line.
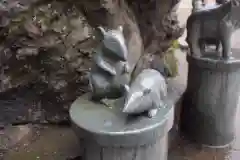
x,y
106,133
210,101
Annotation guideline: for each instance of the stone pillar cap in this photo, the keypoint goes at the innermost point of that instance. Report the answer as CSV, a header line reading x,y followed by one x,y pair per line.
x,y
110,127
211,60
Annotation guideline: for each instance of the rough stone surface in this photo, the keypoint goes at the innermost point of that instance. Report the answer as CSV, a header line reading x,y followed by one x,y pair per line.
x,y
154,151
14,135
46,47
47,143
211,98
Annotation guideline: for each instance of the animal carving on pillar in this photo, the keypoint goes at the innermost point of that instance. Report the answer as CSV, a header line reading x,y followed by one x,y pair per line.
x,y
110,77
213,26
147,93
110,72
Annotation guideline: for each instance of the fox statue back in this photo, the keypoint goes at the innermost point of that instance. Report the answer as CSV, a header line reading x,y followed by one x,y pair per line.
x,y
110,72
213,25
146,93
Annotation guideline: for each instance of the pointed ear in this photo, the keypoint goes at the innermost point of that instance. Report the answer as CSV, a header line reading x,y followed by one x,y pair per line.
x,y
234,3
120,28
146,91
100,33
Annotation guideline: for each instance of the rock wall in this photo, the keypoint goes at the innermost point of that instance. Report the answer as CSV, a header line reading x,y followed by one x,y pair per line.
x,y
46,48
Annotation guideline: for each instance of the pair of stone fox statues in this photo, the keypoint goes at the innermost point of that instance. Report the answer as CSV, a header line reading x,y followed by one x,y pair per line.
x,y
110,77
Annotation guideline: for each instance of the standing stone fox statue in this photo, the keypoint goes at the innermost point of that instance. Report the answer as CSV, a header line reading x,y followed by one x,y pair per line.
x,y
213,25
110,72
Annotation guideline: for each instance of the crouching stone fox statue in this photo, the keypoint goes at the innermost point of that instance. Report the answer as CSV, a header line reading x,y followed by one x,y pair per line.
x,y
110,72
213,25
147,93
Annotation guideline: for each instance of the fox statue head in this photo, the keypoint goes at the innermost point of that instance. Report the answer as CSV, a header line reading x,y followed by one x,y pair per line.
x,y
113,43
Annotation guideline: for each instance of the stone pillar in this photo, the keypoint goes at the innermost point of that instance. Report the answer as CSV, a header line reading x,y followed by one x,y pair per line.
x,y
106,133
210,101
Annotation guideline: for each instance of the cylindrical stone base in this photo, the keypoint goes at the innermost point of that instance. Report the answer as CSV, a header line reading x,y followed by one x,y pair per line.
x,y
210,101
155,151
108,134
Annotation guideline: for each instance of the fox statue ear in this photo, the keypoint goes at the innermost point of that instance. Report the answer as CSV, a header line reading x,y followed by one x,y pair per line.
x,y
100,33
120,28
235,2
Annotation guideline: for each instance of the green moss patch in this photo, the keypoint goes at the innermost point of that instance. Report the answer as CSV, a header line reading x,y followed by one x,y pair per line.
x,y
170,59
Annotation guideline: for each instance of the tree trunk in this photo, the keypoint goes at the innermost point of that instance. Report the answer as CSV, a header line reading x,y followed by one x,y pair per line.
x,y
46,48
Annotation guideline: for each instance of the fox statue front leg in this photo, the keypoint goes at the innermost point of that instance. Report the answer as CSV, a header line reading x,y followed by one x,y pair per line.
x,y
225,36
193,38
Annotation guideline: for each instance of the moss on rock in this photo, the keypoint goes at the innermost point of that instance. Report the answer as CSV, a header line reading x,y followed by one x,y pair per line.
x,y
170,59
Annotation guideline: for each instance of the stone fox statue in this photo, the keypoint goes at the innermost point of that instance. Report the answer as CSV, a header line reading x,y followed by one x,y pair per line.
x,y
110,72
147,93
213,25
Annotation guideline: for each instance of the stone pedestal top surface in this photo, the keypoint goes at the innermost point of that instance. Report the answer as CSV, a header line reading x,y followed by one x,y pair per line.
x,y
211,60
109,126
